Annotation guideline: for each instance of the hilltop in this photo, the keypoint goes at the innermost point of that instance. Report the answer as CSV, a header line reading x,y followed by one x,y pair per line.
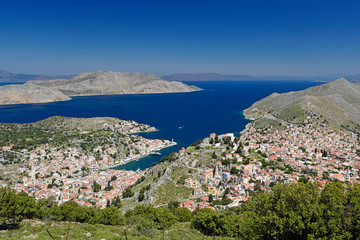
x,y
108,83
337,103
87,84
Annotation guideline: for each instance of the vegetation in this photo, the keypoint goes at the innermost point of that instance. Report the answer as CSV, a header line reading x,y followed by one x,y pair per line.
x,y
61,132
295,211
170,191
290,211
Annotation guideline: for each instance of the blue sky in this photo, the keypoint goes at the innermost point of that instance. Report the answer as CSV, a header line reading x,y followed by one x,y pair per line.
x,y
233,37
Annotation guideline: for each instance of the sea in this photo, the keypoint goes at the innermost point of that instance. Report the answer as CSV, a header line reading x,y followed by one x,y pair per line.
x,y
182,117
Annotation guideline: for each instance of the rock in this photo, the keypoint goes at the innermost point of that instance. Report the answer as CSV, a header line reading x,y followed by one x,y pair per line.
x,y
32,236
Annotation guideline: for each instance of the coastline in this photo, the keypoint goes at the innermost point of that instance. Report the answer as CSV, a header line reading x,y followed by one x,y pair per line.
x,y
137,158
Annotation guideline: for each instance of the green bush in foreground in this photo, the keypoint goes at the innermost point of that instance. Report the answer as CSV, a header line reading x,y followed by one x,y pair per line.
x,y
290,211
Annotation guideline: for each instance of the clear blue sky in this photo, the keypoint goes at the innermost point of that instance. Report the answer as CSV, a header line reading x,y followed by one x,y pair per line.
x,y
292,37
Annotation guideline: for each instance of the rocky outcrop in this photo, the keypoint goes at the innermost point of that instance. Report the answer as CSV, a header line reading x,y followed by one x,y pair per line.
x,y
109,83
20,94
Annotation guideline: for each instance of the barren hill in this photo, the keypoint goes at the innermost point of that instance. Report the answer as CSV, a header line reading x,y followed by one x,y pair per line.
x,y
19,94
89,83
337,102
108,83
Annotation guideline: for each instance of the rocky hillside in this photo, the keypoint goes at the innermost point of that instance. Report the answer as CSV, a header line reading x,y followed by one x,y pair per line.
x,y
90,83
20,94
108,83
337,102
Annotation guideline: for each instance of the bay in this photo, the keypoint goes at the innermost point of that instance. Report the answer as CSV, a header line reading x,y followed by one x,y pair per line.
x,y
183,117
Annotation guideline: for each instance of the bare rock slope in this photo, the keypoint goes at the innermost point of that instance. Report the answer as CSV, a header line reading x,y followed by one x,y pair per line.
x,y
337,102
108,82
89,83
20,94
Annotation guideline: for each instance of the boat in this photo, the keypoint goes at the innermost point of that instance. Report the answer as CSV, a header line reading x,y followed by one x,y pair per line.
x,y
155,153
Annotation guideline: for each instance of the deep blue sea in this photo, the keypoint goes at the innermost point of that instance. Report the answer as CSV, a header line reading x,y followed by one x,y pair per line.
x,y
184,117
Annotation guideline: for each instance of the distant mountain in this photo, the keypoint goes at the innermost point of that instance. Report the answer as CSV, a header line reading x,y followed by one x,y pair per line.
x,y
337,102
89,83
354,78
227,77
6,76
206,77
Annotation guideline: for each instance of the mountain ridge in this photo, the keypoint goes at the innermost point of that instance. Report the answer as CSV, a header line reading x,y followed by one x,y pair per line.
x,y
88,84
109,82
6,76
243,77
337,102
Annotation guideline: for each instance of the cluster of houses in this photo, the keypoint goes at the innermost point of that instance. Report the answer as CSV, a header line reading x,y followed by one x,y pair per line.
x,y
50,174
297,153
70,173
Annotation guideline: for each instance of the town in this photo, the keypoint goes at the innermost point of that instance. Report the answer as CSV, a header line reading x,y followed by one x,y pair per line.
x,y
261,159
65,173
221,171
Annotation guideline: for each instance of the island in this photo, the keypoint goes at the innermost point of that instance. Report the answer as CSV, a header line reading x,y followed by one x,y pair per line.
x,y
88,84
290,164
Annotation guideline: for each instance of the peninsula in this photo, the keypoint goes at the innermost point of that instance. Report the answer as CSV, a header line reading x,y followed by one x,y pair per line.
x,y
337,103
58,155
87,84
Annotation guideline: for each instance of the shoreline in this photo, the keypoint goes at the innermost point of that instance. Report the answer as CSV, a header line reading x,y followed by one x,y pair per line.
x,y
137,158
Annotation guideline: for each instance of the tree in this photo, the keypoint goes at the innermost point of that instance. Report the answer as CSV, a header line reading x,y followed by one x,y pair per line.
x,y
205,220
141,194
324,153
14,207
225,162
164,217
116,202
211,198
127,193
109,187
234,170
96,187
296,211
183,214
172,205
111,216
